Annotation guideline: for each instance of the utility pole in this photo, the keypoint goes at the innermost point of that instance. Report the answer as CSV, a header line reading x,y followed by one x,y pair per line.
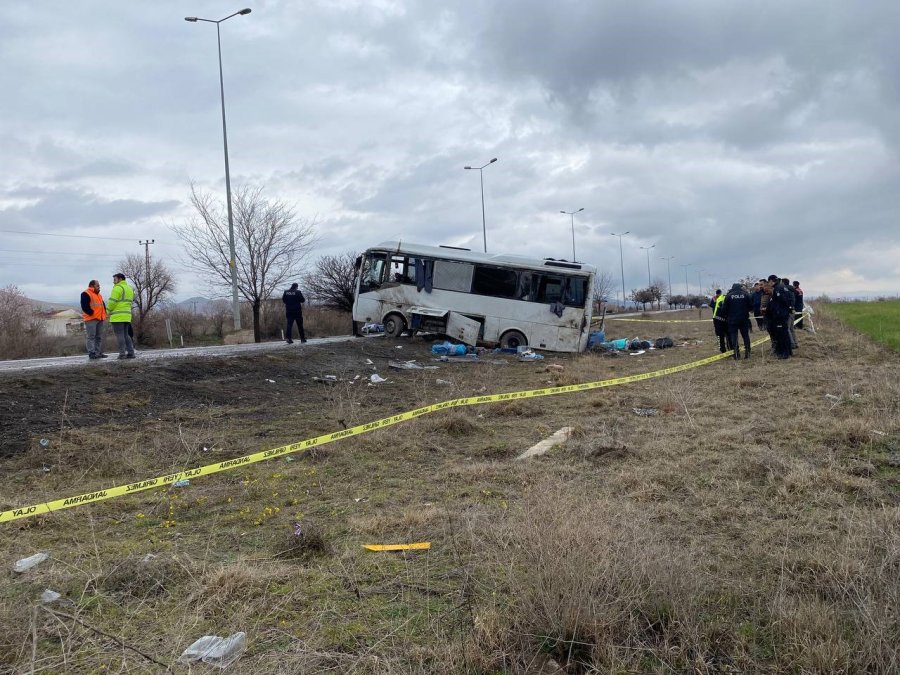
x,y
686,289
146,244
669,260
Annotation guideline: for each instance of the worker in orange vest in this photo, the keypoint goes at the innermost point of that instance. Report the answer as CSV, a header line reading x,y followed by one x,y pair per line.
x,y
94,314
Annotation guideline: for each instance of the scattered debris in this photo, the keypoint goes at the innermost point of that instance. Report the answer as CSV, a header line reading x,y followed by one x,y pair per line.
x,y
45,468
645,412
215,651
26,564
418,546
638,353
184,482
409,365
44,443
370,362
288,459
450,349
529,355
298,528
663,343
149,558
327,379
440,381
399,347
48,597
360,499
557,438
554,366
371,328
270,381
375,378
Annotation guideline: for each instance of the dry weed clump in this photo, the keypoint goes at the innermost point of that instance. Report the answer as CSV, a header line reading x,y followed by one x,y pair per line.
x,y
302,541
144,576
455,424
590,583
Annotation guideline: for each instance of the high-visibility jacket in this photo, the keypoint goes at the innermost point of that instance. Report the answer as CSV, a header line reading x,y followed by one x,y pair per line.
x,y
119,304
98,309
718,304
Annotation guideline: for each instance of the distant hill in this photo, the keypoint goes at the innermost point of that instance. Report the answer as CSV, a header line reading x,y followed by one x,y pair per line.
x,y
198,305
45,306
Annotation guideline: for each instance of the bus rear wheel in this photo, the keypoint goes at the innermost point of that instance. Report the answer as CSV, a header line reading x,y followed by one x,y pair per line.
x,y
512,340
394,325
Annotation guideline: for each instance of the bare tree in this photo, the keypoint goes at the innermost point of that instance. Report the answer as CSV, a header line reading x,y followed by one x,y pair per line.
x,y
19,324
270,244
644,295
603,286
150,290
332,281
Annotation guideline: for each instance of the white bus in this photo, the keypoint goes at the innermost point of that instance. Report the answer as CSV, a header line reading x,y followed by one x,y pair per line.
x,y
507,300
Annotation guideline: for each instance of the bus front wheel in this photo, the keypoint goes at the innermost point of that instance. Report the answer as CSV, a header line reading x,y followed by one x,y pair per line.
x,y
512,340
394,325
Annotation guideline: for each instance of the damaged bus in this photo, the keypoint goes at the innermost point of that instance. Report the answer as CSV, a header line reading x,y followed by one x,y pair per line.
x,y
507,300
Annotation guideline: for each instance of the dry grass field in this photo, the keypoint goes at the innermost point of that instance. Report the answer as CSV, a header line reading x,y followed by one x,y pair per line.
x,y
751,525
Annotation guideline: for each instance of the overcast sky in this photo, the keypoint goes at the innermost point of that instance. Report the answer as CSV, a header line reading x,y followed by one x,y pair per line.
x,y
740,138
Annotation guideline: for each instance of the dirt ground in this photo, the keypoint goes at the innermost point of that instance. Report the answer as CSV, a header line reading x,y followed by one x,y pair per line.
x,y
34,406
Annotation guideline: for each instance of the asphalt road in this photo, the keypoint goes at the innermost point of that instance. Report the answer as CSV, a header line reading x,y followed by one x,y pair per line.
x,y
162,355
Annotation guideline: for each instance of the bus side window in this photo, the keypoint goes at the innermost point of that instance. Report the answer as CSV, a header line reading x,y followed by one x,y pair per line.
x,y
524,290
548,288
403,270
576,289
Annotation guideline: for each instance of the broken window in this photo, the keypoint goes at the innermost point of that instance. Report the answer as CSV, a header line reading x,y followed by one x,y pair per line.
x,y
372,272
403,269
494,281
576,292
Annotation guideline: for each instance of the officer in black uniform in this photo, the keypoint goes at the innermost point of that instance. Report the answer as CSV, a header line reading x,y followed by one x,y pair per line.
x,y
293,311
778,311
736,310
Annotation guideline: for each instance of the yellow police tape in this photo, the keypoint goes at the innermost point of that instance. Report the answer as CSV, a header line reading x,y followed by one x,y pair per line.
x,y
227,465
618,318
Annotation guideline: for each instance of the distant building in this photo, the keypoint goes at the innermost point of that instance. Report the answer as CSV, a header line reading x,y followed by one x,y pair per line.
x,y
63,323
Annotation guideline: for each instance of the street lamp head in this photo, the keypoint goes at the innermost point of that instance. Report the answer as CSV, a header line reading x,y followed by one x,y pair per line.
x,y
580,210
246,10
467,167
493,160
192,19
566,212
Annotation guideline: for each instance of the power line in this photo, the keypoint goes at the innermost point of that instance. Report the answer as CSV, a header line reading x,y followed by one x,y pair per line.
x,y
75,236
95,255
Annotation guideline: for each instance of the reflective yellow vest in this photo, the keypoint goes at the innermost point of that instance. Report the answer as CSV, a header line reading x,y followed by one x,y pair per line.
x,y
119,303
719,302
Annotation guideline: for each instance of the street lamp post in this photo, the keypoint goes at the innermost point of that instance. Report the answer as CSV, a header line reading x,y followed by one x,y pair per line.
x,y
699,283
647,248
669,260
686,289
235,307
481,174
572,213
621,262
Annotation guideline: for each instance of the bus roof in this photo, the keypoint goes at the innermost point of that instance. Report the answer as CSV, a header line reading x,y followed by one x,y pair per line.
x,y
451,253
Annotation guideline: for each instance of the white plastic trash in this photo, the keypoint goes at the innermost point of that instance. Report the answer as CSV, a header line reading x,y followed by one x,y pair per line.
x,y
216,651
26,564
49,596
376,378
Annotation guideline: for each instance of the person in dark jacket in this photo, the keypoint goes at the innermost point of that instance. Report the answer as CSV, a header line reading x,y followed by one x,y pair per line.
x,y
778,314
736,310
293,311
798,303
757,300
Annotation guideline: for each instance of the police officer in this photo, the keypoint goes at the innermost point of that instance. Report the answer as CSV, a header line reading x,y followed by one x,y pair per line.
x,y
736,310
293,311
719,325
778,311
